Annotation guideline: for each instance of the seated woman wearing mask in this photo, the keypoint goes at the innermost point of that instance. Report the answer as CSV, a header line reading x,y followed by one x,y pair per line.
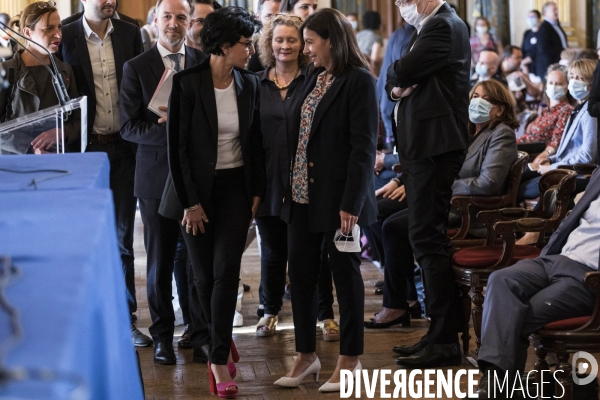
x,y
550,124
491,152
578,143
33,90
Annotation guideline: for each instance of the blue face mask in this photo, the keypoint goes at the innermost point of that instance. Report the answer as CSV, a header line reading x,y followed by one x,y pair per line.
x,y
481,70
578,89
479,110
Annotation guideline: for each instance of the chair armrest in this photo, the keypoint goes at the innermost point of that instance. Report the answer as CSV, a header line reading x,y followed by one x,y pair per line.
x,y
462,205
523,225
592,280
397,168
584,169
489,219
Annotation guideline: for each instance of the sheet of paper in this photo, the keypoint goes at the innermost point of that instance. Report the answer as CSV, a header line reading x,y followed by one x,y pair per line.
x,y
162,93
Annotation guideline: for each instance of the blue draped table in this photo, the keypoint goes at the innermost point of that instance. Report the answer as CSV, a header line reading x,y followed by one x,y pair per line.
x,y
86,171
70,292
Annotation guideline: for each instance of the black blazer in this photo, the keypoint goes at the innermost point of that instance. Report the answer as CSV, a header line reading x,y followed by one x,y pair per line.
x,y
560,236
548,48
340,151
78,15
141,76
433,119
192,134
126,42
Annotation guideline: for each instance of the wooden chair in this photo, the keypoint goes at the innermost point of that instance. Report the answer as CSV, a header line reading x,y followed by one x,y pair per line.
x,y
508,199
568,336
473,265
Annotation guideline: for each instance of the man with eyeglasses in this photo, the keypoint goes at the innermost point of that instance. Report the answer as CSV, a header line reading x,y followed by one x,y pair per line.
x,y
201,9
430,85
148,130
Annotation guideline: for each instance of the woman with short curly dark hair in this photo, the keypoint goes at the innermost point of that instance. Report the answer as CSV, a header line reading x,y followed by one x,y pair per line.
x,y
217,173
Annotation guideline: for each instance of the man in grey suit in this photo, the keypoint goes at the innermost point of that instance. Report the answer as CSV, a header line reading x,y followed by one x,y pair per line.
x,y
540,290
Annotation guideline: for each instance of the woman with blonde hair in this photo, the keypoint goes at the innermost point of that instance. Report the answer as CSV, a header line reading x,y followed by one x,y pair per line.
x,y
579,140
282,83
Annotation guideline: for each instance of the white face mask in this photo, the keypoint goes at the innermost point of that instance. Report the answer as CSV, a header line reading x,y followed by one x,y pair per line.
x,y
348,243
481,29
479,110
410,14
481,70
532,22
578,89
354,24
555,92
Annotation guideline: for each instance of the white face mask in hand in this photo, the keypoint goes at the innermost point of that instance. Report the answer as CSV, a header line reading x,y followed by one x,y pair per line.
x,y
348,243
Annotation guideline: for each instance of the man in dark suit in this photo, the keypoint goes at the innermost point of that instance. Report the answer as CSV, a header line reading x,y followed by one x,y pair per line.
x,y
115,15
96,46
142,126
431,85
540,290
551,40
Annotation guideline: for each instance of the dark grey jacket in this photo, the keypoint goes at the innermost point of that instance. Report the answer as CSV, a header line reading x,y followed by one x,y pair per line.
x,y
21,99
487,163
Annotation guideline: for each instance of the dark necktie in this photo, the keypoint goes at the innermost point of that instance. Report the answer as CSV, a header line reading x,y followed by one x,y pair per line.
x,y
176,58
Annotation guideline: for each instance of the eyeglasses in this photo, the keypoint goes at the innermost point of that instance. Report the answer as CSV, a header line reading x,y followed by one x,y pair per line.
x,y
247,45
402,3
199,21
42,5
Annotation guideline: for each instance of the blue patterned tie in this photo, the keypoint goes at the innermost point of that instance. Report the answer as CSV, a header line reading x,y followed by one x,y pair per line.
x,y
176,58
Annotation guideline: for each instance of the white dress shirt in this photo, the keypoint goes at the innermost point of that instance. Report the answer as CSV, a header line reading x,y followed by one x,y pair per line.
x,y
104,71
166,60
583,244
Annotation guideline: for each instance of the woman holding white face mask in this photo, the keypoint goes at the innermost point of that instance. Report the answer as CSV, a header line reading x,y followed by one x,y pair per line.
x,y
550,124
579,141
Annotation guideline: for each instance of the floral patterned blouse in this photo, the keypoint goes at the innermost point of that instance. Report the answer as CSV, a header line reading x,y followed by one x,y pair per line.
x,y
549,126
307,113
477,46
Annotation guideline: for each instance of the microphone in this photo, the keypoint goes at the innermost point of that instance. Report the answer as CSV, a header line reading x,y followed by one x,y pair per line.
x,y
57,81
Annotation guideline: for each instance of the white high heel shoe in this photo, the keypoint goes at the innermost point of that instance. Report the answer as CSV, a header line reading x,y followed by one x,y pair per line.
x,y
314,369
335,387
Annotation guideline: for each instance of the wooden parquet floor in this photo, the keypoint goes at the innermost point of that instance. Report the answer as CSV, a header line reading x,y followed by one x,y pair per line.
x,y
264,360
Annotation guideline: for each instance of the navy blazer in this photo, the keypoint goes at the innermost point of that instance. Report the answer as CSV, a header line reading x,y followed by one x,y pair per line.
x,y
433,119
548,48
192,129
340,151
560,236
126,42
141,76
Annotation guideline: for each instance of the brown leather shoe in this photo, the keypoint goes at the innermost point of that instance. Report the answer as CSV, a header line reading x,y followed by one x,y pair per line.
x,y
184,340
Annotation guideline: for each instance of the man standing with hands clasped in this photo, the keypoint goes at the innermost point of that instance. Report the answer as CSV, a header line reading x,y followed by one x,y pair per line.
x,y
140,125
430,84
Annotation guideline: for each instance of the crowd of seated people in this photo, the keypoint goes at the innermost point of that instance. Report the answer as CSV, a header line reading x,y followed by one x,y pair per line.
x,y
293,146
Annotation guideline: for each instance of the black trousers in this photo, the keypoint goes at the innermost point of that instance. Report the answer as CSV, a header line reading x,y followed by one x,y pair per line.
x,y
399,275
216,256
188,297
273,260
385,208
305,249
122,172
160,239
428,184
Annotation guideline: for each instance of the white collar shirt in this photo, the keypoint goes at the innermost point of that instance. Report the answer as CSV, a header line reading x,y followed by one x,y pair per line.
x,y
104,72
164,53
